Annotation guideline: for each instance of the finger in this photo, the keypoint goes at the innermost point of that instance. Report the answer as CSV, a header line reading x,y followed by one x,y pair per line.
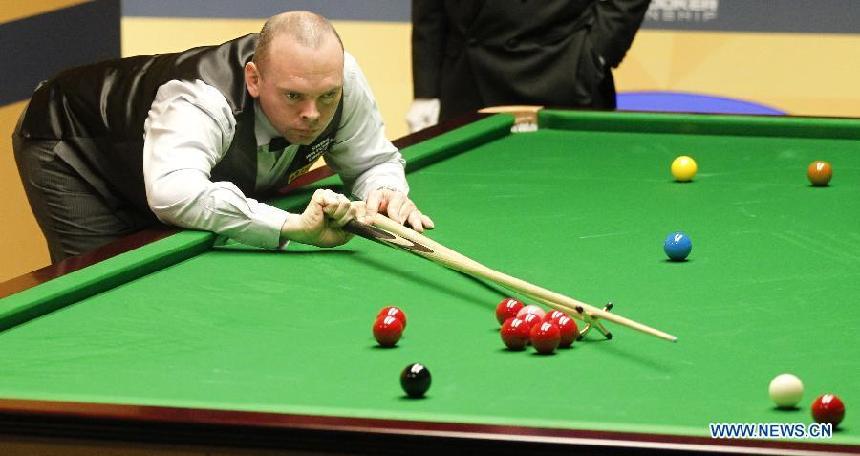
x,y
407,208
414,219
316,208
385,196
341,211
427,222
360,210
395,203
336,212
334,197
325,197
349,213
319,196
352,212
373,201
329,201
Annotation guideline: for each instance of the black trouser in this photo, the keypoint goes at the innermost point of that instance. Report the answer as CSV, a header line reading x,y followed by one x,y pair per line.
x,y
73,215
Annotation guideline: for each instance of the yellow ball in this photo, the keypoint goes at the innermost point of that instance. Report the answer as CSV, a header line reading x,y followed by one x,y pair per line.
x,y
684,168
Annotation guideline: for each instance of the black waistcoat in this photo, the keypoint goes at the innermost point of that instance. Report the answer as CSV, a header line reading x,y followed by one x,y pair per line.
x,y
99,110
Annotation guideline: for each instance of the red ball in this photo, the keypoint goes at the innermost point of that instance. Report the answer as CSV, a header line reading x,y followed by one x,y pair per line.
x,y
508,308
554,315
828,408
569,331
395,312
387,330
515,333
531,319
545,337
819,173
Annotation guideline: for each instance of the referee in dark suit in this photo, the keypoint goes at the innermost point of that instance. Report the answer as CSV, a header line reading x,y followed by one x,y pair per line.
x,y
470,54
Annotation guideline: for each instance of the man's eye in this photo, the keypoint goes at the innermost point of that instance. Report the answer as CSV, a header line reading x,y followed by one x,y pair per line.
x,y
329,97
293,96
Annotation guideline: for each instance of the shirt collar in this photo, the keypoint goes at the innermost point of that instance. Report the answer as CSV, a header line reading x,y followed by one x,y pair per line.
x,y
263,129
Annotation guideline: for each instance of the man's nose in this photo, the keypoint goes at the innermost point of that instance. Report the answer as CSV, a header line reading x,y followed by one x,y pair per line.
x,y
310,111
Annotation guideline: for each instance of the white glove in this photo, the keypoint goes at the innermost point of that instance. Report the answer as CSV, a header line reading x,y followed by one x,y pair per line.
x,y
423,113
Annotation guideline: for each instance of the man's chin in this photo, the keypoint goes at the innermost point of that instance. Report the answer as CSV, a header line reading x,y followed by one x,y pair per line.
x,y
301,139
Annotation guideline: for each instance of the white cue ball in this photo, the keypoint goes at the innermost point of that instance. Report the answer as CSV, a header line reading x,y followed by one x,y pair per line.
x,y
785,390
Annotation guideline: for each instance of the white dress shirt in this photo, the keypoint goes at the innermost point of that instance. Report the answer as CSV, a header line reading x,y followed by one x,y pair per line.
x,y
190,127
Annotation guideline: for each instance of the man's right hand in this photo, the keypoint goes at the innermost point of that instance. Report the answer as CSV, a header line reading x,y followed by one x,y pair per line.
x,y
321,223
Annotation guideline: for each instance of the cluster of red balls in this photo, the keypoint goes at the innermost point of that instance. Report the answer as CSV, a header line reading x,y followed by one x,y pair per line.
x,y
523,324
389,325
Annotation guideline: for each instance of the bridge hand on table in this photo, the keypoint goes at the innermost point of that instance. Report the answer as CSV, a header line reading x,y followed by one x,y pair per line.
x,y
398,207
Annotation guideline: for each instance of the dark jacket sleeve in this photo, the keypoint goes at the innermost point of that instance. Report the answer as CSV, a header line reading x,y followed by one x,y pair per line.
x,y
428,45
616,23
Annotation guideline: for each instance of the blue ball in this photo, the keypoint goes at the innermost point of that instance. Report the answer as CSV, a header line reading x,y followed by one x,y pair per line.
x,y
677,246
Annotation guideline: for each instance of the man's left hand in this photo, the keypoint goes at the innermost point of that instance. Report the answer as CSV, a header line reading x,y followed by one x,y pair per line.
x,y
398,207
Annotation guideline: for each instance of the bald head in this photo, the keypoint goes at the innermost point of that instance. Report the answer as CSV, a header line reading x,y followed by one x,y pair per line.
x,y
304,27
296,75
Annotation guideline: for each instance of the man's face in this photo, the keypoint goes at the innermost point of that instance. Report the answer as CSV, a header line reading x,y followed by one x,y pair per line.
x,y
298,88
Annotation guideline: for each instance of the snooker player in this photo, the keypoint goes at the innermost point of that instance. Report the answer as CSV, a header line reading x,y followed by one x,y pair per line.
x,y
191,138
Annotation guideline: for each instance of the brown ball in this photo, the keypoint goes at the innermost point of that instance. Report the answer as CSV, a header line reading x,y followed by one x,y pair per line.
x,y
819,173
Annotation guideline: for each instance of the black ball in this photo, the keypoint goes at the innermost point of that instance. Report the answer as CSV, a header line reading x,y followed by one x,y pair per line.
x,y
415,380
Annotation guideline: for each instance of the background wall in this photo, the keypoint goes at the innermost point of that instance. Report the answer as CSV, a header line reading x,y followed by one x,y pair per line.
x,y
800,57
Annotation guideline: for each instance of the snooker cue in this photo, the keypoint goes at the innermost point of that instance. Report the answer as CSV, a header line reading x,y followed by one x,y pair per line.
x,y
575,308
389,232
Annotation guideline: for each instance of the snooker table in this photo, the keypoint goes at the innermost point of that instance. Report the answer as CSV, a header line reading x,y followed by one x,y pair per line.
x,y
181,342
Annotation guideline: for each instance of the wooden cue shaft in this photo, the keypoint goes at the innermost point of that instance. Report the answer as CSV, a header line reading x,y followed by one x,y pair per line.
x,y
513,283
434,253
459,262
463,263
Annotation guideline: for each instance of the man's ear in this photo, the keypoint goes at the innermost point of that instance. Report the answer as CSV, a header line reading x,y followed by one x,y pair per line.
x,y
252,79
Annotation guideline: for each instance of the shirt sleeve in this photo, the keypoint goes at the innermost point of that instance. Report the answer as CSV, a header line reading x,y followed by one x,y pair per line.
x,y
361,154
189,129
